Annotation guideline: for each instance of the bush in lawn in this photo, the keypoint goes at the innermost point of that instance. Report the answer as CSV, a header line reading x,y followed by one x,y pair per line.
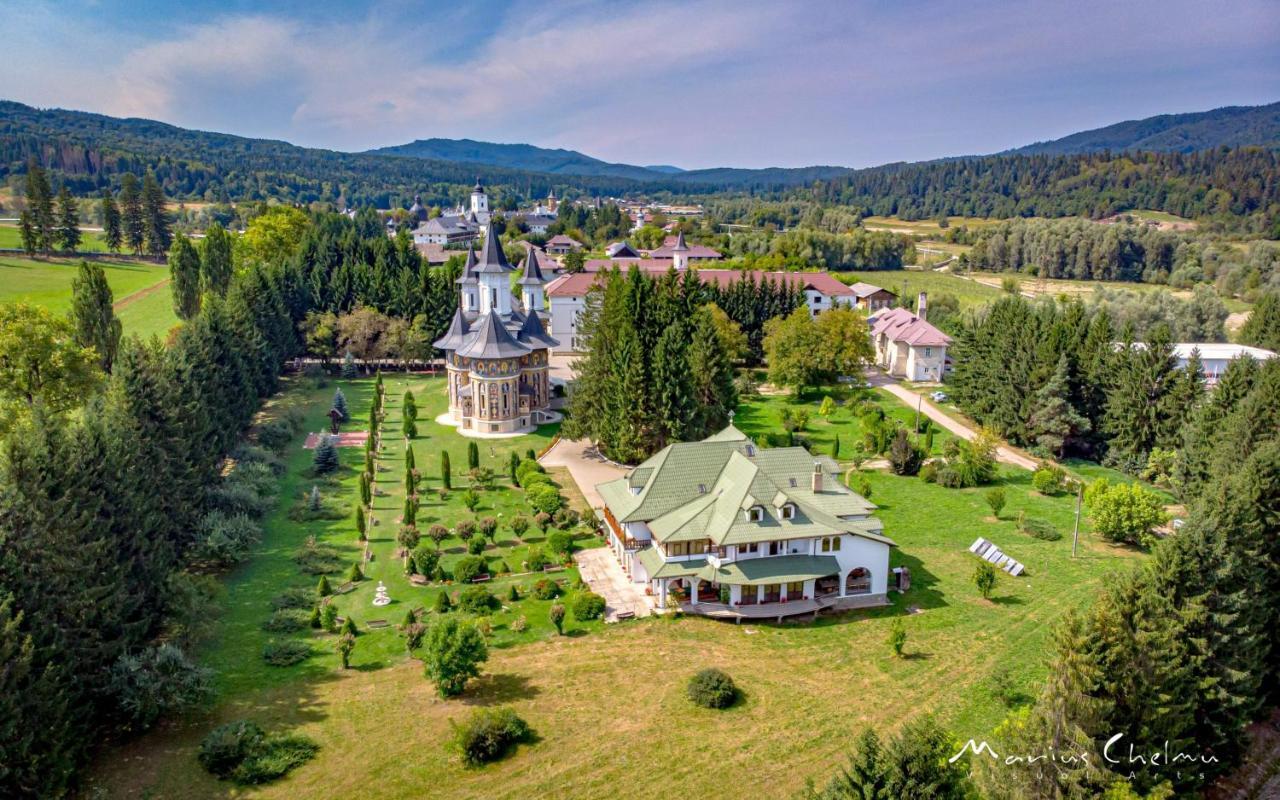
x,y
296,597
349,366
355,575
465,530
546,589
452,654
437,533
532,479
241,752
501,568
897,637
542,520
712,688
475,546
275,434
544,498
227,745
225,539
512,467
995,500
316,558
446,474
408,537
410,428
361,534
425,560
158,681
1124,512
287,620
470,499
525,468
565,518
1040,529
536,560
513,593
488,528
413,634
556,615
560,543
984,577
863,487
346,644
315,620
519,525
285,653
442,604
325,459
520,624
1048,479
487,735
329,617
477,600
905,456
349,626
587,606
473,455
323,589
468,567
589,519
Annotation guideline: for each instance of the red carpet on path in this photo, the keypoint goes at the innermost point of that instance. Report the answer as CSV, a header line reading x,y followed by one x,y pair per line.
x,y
348,439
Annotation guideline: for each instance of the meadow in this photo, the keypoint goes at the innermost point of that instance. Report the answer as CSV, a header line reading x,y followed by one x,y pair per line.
x,y
607,702
908,283
90,241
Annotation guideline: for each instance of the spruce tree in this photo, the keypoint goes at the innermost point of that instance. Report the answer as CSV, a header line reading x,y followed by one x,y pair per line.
x,y
627,431
92,314
325,458
184,278
112,229
68,233
27,233
714,392
156,222
340,404
1262,329
40,210
215,260
673,385
1054,422
349,366
135,227
1135,412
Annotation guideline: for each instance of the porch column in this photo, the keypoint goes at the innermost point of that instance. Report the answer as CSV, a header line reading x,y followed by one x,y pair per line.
x,y
844,576
759,590
782,591
662,594
693,595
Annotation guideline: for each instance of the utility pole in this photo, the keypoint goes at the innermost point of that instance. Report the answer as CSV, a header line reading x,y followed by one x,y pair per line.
x,y
1075,534
919,401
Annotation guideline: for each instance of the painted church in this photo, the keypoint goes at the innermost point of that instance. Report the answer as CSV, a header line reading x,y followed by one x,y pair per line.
x,y
497,349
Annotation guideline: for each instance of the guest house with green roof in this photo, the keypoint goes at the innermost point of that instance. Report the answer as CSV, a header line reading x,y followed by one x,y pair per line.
x,y
728,529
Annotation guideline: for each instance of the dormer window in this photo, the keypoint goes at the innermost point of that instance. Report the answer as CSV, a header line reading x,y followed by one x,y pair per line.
x,y
750,451
788,511
755,514
702,488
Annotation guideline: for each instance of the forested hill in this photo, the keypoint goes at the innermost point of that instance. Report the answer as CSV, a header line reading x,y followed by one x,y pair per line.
x,y
520,156
1231,126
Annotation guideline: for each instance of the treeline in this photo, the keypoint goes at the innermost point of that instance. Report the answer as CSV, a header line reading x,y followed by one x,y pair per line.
x,y
1077,249
106,487
750,304
656,371
858,249
1239,188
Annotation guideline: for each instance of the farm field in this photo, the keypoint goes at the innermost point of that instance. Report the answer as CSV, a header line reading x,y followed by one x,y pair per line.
x,y
142,298
925,227
610,705
911,282
90,241
1083,289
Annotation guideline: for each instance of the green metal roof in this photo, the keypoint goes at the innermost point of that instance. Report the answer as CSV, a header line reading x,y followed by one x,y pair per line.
x,y
657,568
772,569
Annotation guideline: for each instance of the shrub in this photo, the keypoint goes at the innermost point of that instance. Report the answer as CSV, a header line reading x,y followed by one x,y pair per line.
x,y
329,617
323,589
438,533
533,479
488,528
488,734
905,456
158,681
984,577
1039,529
527,467
475,546
425,560
275,434
452,654
556,615
465,530
315,558
285,653
560,542
542,520
470,499
513,593
1124,512
1048,479
287,620
355,575
536,560
241,752
349,627
519,525
477,600
546,589
473,455
442,604
995,500
520,624
565,518
225,539
296,597
468,567
712,688
863,487
587,606
544,498
929,472
413,634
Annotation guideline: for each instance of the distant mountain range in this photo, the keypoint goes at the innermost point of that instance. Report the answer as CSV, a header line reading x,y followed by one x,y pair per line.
x,y
521,156
1230,126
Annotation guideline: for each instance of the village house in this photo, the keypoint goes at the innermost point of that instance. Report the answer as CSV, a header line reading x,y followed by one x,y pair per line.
x,y
1215,357
723,528
496,349
560,245
871,298
907,346
456,226
673,246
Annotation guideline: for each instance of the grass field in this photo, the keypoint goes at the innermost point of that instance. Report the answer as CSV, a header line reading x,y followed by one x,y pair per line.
x,y
925,227
142,298
90,241
911,282
608,709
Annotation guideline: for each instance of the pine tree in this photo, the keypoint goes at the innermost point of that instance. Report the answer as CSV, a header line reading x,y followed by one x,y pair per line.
x,y
325,459
1186,391
673,385
714,392
1135,412
1054,422
39,198
135,228
68,233
156,222
1262,329
27,233
410,463
340,404
627,434
216,263
92,314
349,366
184,277
112,231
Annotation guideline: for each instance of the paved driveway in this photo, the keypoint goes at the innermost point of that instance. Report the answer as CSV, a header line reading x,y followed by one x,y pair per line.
x,y
602,572
910,398
586,466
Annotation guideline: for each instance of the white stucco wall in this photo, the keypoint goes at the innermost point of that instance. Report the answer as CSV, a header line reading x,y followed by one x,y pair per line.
x,y
564,323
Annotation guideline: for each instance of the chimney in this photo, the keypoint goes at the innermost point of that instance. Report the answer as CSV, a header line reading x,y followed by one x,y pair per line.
x,y
817,478
922,307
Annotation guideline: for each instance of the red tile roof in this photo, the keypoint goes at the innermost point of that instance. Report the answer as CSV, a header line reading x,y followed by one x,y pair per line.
x,y
817,281
694,250
900,325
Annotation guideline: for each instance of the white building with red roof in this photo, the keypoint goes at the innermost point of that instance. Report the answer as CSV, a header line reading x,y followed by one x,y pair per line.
x,y
907,346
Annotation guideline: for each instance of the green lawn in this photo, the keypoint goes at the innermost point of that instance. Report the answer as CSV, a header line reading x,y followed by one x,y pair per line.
x,y
610,706
90,241
48,283
761,415
906,283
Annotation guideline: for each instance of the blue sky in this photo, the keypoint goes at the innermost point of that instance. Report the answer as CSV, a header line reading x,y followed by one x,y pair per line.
x,y
697,83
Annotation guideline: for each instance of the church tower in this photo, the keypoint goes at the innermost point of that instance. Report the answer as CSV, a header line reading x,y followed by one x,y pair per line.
x,y
551,201
468,284
479,201
531,283
491,276
680,254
